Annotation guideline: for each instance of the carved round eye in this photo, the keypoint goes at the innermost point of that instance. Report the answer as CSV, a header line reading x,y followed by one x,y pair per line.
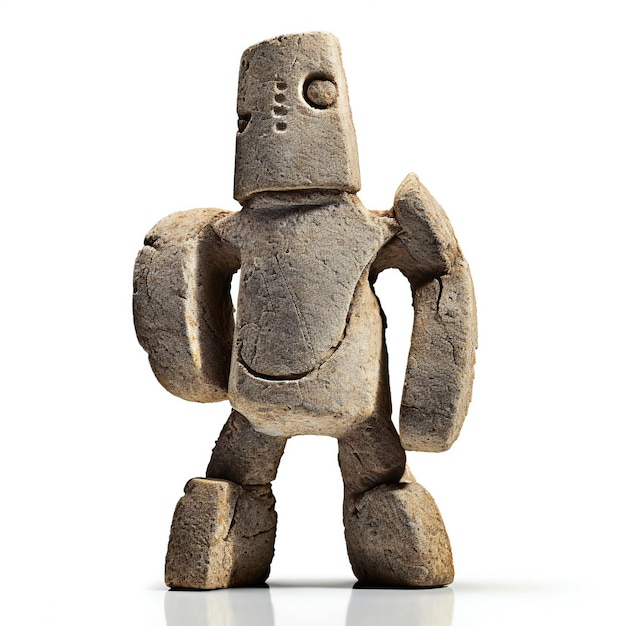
x,y
320,93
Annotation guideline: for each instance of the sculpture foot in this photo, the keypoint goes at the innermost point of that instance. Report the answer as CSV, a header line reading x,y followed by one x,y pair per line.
x,y
396,537
222,535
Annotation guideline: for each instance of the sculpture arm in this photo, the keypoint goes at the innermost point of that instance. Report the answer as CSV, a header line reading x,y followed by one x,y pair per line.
x,y
182,306
440,368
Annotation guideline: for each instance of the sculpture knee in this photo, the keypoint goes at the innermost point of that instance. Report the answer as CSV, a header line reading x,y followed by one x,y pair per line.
x,y
244,455
371,455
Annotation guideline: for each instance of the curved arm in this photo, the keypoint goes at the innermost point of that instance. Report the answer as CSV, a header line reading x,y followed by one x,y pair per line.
x,y
440,368
182,306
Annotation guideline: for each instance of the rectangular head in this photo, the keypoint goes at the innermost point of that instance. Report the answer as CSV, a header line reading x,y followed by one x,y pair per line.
x,y
295,126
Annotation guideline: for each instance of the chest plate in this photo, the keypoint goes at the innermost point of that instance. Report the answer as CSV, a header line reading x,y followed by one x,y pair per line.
x,y
300,266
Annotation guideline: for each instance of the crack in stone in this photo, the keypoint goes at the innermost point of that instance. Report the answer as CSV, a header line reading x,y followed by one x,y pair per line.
x,y
440,294
300,375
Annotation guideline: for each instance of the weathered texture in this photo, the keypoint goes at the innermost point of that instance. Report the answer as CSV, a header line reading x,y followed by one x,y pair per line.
x,y
370,455
222,536
295,125
307,353
426,232
440,369
182,306
395,536
244,455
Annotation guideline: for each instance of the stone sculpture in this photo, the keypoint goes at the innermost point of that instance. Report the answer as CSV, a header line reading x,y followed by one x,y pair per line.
x,y
306,354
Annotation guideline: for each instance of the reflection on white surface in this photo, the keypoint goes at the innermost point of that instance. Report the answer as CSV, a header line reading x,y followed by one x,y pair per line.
x,y
222,607
421,607
330,604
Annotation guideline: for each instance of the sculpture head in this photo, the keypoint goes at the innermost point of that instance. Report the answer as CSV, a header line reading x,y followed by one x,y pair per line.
x,y
295,126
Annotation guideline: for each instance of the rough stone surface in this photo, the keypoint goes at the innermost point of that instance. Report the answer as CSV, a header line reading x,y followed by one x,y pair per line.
x,y
245,456
222,536
371,454
307,316
182,306
395,536
306,354
296,130
440,370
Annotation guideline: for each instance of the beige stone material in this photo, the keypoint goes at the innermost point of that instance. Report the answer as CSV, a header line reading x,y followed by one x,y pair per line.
x,y
306,313
306,353
182,307
395,536
222,536
295,125
244,455
440,370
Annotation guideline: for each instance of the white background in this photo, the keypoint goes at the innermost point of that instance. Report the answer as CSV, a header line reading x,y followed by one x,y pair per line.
x,y
114,114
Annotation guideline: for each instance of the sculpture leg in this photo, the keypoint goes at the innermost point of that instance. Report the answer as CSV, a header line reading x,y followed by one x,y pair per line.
x,y
224,526
394,531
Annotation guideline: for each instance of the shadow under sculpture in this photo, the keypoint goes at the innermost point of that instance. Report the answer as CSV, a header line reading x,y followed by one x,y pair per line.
x,y
306,354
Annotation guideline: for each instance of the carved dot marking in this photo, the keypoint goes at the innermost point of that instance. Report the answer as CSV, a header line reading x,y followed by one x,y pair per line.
x,y
279,97
281,86
281,126
280,111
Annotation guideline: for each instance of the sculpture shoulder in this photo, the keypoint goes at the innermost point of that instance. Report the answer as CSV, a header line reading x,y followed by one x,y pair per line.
x,y
424,246
191,229
181,303
426,231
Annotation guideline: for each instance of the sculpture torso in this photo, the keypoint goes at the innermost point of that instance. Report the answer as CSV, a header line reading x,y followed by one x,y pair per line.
x,y
302,281
297,284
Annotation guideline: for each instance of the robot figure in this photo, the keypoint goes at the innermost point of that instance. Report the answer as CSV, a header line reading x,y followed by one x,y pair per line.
x,y
306,354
